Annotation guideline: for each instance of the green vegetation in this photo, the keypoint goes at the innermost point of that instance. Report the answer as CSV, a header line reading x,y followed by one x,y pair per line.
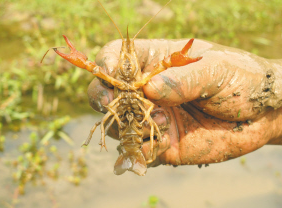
x,y
31,93
239,113
152,202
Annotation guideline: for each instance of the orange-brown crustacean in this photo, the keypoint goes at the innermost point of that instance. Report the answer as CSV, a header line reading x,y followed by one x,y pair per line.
x,y
129,108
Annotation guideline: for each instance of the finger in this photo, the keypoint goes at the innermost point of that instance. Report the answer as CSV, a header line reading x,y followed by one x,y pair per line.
x,y
159,148
182,84
99,95
168,149
220,75
163,87
162,119
149,53
176,85
108,57
146,50
222,71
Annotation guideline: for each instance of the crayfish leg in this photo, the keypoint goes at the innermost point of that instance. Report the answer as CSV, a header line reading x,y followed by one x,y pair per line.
x,y
103,133
111,112
87,141
153,126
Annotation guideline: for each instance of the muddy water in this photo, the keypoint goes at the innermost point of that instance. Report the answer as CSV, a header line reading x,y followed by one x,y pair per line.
x,y
229,184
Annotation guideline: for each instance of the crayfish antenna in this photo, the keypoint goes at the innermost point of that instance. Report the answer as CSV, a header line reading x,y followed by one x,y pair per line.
x,y
111,19
48,51
150,20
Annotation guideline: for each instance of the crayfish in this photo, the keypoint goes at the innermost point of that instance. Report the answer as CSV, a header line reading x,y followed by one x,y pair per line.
x,y
130,109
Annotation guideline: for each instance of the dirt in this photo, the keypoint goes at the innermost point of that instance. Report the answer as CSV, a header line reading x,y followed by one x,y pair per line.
x,y
239,127
265,97
172,85
163,128
236,93
222,99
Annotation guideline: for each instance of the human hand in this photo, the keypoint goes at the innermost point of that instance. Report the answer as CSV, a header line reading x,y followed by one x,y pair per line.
x,y
218,108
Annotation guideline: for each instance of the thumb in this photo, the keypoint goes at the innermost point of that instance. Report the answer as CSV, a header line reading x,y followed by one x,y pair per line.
x,y
108,57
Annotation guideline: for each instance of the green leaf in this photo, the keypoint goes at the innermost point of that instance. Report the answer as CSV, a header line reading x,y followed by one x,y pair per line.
x,y
153,201
65,137
239,113
47,136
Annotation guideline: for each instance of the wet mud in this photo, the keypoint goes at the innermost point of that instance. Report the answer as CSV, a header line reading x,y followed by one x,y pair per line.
x,y
239,127
265,97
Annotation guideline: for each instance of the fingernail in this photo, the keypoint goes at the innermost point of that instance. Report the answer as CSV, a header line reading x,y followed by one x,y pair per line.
x,y
161,117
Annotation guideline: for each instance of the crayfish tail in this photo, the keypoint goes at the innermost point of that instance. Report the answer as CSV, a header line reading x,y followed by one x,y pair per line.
x,y
131,162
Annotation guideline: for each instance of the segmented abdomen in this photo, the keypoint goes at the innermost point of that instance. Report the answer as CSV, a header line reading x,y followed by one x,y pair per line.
x,y
131,116
131,136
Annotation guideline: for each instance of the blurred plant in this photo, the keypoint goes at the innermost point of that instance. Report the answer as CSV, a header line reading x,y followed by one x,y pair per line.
x,y
243,160
13,84
2,139
55,131
152,202
54,171
78,167
31,164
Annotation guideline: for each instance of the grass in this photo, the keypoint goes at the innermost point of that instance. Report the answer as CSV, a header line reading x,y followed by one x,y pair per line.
x,y
32,93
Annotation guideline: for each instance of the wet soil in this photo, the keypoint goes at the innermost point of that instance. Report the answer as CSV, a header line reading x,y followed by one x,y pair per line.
x,y
265,96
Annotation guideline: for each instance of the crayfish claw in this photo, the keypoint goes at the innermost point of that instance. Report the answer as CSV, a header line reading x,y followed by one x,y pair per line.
x,y
187,46
69,43
54,48
75,57
181,58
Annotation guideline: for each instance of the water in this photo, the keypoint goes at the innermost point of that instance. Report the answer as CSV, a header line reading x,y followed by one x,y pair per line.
x,y
256,184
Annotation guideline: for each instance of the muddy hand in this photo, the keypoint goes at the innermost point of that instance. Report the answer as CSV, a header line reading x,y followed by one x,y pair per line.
x,y
178,58
218,108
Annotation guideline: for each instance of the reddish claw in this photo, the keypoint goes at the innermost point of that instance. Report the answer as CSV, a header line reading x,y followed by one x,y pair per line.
x,y
76,57
181,58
